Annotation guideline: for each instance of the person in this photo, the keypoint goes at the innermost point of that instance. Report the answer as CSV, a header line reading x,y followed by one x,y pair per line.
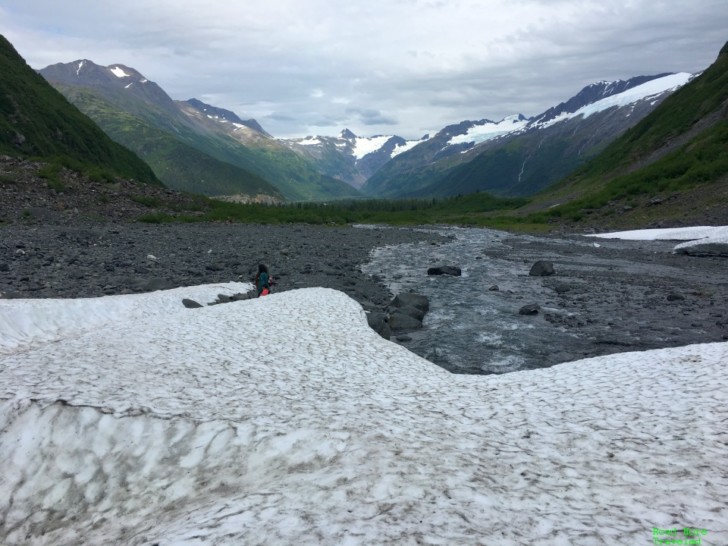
x,y
262,280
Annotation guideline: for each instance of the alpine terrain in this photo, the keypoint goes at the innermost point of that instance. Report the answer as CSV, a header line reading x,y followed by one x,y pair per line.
x,y
520,156
190,145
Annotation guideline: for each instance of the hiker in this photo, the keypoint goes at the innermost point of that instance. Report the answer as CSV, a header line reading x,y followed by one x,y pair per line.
x,y
263,280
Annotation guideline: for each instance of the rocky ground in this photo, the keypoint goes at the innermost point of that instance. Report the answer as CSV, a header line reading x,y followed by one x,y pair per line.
x,y
42,261
610,296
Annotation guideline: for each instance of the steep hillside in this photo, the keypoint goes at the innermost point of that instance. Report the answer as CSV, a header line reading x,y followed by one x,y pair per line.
x,y
37,121
178,164
211,131
671,167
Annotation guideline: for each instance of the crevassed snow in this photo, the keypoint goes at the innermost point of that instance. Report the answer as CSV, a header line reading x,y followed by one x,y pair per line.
x,y
119,72
287,420
490,130
639,92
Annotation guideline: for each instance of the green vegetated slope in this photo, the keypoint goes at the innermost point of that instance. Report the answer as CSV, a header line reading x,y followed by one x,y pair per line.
x,y
179,165
673,164
37,121
130,107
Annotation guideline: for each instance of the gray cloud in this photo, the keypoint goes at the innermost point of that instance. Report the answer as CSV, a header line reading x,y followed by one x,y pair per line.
x,y
381,67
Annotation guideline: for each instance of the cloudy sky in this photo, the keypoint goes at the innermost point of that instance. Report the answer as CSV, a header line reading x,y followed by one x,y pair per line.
x,y
405,67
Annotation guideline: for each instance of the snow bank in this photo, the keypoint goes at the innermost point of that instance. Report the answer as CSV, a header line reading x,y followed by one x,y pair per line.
x,y
286,420
695,236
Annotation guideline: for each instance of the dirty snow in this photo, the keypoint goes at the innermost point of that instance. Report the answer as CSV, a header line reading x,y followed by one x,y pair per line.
x,y
693,235
286,420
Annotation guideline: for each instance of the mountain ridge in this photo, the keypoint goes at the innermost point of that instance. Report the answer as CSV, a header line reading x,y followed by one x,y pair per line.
x,y
37,121
259,163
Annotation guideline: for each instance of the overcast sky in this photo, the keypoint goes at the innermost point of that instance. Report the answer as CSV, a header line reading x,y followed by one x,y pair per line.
x,y
405,67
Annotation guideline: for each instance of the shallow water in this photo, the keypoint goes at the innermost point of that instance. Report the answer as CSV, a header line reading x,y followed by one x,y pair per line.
x,y
606,297
471,326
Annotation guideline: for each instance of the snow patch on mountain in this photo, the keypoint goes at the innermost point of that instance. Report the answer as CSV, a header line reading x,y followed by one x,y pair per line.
x,y
118,72
364,146
408,145
647,91
488,130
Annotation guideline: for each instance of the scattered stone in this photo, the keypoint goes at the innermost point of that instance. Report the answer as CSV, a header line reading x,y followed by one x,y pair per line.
x,y
542,269
531,309
451,270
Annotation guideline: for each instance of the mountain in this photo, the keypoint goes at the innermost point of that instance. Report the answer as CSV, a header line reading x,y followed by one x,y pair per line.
x,y
670,167
520,156
348,157
37,121
190,145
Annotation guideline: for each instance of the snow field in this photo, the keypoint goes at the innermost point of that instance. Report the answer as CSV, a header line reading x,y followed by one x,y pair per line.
x,y
286,420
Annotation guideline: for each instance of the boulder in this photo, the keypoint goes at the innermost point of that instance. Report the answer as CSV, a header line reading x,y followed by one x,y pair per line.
x,y
531,309
190,304
451,270
378,322
542,269
409,299
400,321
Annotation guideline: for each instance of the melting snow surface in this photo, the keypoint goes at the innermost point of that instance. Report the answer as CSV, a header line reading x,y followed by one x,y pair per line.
x,y
286,420
119,72
693,235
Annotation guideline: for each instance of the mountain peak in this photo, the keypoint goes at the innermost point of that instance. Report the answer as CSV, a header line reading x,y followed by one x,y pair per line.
x,y
347,134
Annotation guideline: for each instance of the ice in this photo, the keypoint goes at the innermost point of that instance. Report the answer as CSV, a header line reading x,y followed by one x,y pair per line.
x,y
287,420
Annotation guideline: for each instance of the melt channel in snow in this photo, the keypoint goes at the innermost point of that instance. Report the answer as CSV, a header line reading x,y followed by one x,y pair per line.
x,y
286,420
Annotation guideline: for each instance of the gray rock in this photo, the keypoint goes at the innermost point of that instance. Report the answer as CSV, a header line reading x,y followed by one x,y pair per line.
x,y
409,299
190,304
705,250
542,269
494,288
402,322
531,309
451,270
378,321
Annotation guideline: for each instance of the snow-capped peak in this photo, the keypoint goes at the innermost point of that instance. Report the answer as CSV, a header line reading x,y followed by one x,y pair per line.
x,y
646,91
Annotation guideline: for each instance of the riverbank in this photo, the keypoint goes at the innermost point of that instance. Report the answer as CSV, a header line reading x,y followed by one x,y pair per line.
x,y
97,259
